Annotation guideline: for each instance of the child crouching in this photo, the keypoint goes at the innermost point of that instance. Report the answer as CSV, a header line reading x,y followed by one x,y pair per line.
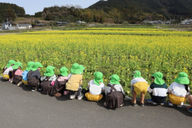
x,y
48,81
24,74
7,70
75,81
179,90
60,83
17,76
95,87
139,87
114,93
158,89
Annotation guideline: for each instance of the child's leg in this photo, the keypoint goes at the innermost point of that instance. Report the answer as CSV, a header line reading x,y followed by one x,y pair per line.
x,y
79,93
190,100
142,98
134,101
72,94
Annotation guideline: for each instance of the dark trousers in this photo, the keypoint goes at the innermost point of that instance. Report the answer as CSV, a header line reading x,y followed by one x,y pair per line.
x,y
158,99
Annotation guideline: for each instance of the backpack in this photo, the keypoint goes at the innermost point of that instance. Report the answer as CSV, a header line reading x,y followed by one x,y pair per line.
x,y
114,99
32,81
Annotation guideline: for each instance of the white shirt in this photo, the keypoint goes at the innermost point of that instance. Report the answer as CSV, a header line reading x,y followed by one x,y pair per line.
x,y
135,80
95,89
178,89
6,72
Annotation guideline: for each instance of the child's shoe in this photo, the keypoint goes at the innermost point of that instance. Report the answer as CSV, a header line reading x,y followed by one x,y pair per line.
x,y
19,84
80,97
170,104
72,97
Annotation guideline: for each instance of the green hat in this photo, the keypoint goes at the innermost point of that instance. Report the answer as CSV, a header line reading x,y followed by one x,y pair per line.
x,y
49,71
64,71
98,78
137,74
30,65
158,78
10,63
82,68
17,65
114,79
76,69
182,78
36,65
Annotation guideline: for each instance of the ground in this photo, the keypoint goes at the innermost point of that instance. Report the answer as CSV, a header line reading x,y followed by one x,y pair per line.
x,y
25,109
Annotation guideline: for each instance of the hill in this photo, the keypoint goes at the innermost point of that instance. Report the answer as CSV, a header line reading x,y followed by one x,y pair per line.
x,y
166,8
10,11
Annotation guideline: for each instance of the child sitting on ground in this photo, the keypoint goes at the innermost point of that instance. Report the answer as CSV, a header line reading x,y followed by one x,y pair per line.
x,y
95,87
179,90
158,89
24,74
75,82
60,83
17,77
48,81
114,93
139,87
7,70
33,76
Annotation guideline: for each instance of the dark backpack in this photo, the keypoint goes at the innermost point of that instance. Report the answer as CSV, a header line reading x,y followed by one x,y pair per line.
x,y
114,99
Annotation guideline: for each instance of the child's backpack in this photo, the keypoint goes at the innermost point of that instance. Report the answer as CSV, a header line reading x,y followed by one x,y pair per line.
x,y
32,81
114,99
45,86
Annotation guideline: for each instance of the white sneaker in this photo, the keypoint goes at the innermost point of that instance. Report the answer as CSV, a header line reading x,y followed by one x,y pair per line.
x,y
19,84
80,97
72,97
170,104
32,90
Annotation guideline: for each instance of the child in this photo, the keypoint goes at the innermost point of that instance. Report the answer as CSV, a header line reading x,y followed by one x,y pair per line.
x,y
139,87
95,87
33,76
61,81
7,70
48,81
158,89
114,93
17,77
75,81
179,89
24,74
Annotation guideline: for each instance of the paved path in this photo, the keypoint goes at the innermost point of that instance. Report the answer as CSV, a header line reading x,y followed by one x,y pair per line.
x,y
24,109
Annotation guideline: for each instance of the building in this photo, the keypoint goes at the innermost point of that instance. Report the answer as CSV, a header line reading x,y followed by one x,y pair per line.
x,y
6,26
24,26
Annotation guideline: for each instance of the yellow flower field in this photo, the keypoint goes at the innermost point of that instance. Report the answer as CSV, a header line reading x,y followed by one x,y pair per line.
x,y
109,50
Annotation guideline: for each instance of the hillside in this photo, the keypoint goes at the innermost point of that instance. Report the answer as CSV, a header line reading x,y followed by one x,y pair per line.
x,y
10,11
167,8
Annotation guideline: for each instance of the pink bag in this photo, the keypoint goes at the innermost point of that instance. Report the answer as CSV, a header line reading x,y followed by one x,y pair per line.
x,y
18,72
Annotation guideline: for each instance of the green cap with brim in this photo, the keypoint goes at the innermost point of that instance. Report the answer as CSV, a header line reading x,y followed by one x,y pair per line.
x,y
158,78
30,65
49,71
64,71
11,62
36,65
137,74
182,78
17,65
76,69
114,79
98,78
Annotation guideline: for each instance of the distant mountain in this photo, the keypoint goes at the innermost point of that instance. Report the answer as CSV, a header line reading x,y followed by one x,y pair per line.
x,y
167,8
10,11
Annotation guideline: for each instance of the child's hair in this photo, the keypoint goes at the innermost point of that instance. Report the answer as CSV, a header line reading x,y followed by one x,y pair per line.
x,y
164,78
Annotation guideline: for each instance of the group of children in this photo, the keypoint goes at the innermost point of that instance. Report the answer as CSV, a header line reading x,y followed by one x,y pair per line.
x,y
113,94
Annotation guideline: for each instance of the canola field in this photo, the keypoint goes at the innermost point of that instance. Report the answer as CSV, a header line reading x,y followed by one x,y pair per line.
x,y
109,50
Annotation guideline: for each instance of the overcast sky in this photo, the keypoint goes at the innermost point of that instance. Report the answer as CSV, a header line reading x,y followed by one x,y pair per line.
x,y
32,6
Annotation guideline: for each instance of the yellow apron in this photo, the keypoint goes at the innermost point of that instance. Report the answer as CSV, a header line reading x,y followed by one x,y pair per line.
x,y
176,99
91,97
140,87
6,77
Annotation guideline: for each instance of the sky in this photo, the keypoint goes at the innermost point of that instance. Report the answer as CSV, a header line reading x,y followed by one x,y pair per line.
x,y
32,6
